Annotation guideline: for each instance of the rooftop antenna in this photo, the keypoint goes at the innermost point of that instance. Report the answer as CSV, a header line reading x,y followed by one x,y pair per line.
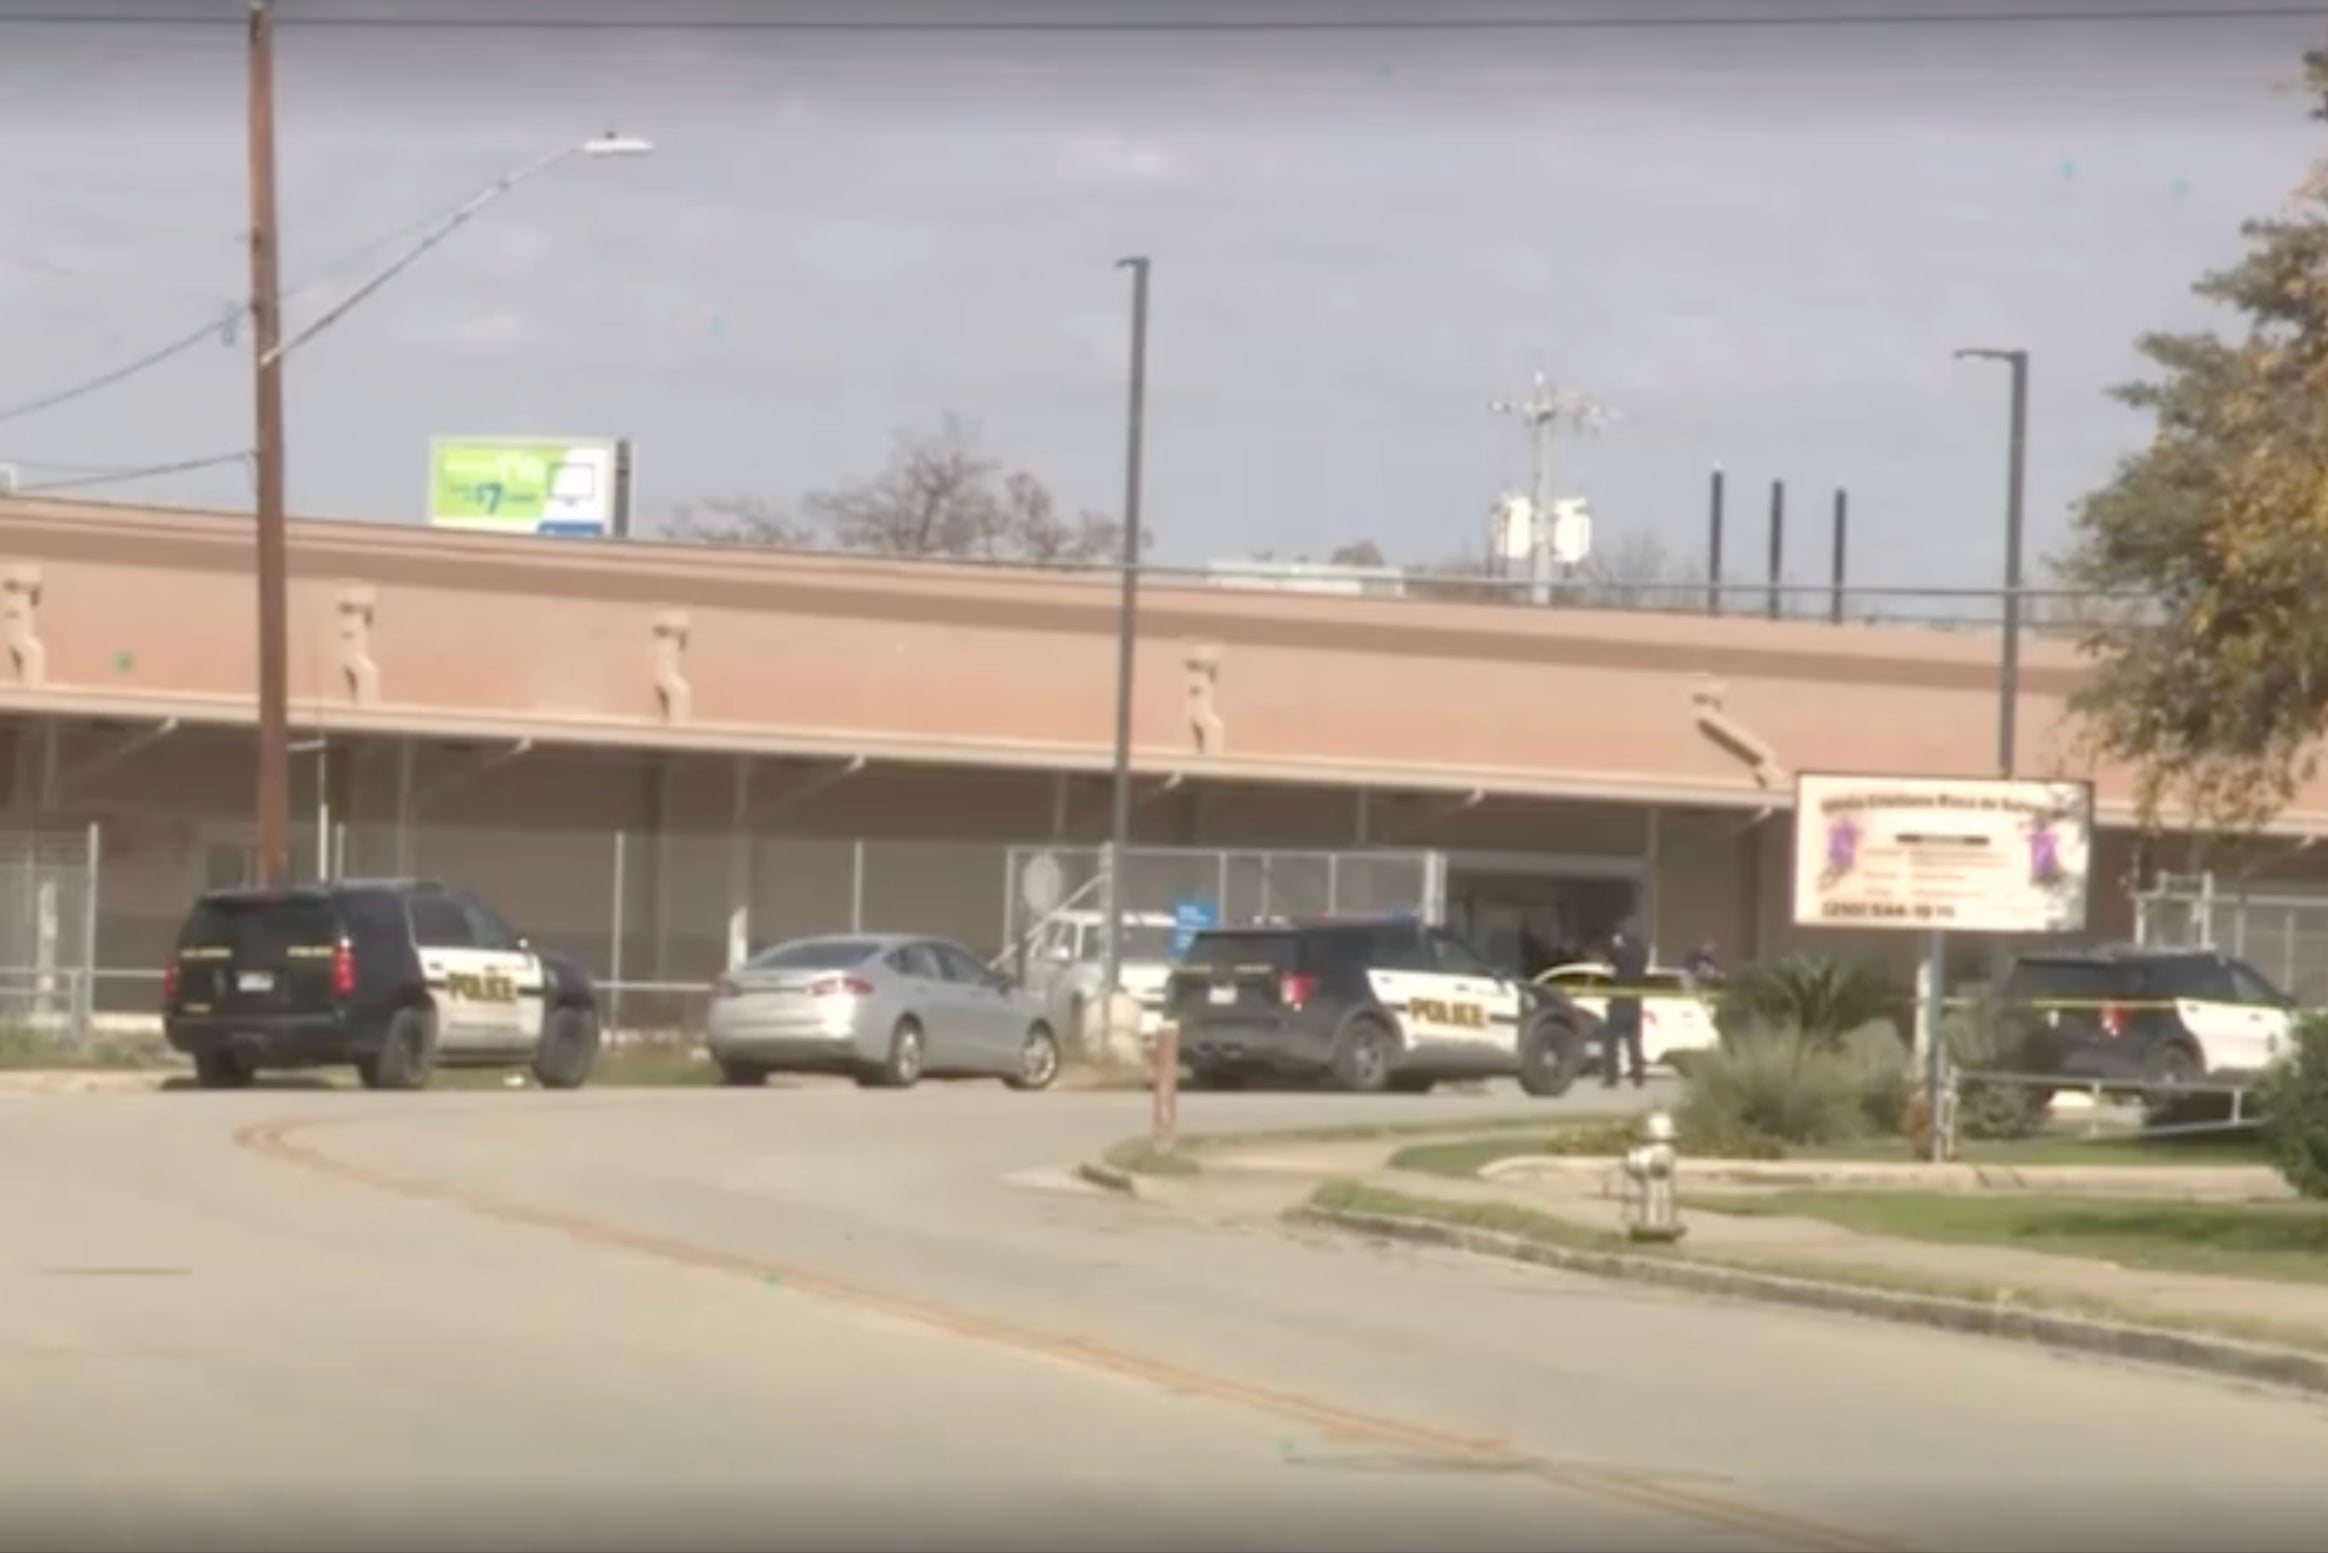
x,y
1546,410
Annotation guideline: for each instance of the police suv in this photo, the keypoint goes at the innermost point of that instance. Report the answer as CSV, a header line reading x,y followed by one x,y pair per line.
x,y
2156,1017
393,977
1372,1005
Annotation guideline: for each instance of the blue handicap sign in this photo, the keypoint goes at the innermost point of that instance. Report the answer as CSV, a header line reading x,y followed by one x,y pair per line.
x,y
1191,915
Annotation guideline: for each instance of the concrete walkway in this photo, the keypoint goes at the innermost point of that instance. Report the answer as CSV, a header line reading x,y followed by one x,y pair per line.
x,y
1582,1195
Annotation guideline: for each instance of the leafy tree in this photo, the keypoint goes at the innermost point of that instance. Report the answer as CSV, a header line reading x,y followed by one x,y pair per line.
x,y
939,496
2216,690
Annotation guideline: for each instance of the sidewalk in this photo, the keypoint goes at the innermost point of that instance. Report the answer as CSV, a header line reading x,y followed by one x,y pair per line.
x,y
1580,1194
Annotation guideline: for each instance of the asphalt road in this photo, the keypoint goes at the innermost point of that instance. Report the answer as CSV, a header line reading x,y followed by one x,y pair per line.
x,y
837,1319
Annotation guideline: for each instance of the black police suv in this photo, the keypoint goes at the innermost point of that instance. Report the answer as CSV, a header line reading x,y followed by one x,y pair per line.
x,y
1371,1005
396,977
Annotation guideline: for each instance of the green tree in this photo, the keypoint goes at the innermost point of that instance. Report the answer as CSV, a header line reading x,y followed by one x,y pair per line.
x,y
2214,687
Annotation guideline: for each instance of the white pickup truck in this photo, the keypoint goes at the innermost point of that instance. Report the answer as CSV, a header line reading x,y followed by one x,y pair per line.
x,y
1066,961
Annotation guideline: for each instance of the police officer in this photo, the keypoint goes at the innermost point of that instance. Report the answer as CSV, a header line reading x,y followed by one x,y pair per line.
x,y
1628,967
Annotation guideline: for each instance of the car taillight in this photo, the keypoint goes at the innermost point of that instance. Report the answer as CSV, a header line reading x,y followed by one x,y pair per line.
x,y
343,969
725,987
1294,989
2113,1019
170,980
840,987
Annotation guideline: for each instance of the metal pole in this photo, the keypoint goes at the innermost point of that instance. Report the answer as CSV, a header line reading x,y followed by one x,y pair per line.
x,y
614,946
1842,533
89,920
2009,665
1777,546
271,794
1714,544
1933,1017
2016,468
857,885
1127,634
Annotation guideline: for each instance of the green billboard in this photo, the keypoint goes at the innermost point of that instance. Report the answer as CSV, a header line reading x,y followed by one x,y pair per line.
x,y
567,486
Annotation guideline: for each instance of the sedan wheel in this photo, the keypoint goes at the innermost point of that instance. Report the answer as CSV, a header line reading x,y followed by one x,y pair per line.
x,y
1038,1061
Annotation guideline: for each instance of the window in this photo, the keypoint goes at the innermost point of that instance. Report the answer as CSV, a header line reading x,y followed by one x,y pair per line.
x,y
486,925
917,961
2250,988
1576,980
813,954
438,922
1456,958
2197,977
1399,946
959,964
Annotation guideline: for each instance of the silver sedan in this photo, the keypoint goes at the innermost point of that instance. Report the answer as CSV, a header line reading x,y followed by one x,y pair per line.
x,y
887,1009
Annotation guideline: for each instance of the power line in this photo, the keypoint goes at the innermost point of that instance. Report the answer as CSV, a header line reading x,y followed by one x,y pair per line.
x,y
222,326
1705,21
144,472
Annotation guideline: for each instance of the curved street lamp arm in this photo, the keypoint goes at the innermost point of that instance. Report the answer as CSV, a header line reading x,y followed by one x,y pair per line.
x,y
411,256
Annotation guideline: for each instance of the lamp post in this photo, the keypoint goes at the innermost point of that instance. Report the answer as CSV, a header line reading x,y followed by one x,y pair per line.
x,y
2016,469
272,794
1127,633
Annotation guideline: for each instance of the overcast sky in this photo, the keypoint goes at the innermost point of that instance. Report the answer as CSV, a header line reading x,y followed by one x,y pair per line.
x,y
1758,247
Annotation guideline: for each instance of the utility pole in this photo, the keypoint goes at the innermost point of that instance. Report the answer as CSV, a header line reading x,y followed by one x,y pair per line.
x,y
1127,638
272,788
2016,476
1544,410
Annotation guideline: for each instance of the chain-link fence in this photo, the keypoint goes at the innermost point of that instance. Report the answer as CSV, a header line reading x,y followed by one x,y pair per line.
x,y
1168,884
2282,931
655,917
48,935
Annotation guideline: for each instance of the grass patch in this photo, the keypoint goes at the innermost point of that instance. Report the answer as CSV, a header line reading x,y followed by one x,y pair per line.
x,y
23,1050
1546,1229
1141,1157
2129,1149
2280,1241
1465,1156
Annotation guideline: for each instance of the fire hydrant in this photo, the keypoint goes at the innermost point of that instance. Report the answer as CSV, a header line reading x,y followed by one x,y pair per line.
x,y
1652,1205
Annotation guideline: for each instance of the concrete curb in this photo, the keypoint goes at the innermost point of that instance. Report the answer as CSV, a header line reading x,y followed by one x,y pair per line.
x,y
2222,1356
2099,1180
1108,1178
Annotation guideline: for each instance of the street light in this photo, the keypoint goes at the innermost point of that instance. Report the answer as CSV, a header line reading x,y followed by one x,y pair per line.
x,y
2009,663
272,788
1127,631
599,146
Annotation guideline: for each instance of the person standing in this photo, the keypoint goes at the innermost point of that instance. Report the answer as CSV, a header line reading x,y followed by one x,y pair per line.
x,y
1628,968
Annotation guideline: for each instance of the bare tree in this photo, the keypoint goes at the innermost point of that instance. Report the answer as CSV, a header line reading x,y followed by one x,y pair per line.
x,y
1364,552
742,520
938,496
1639,573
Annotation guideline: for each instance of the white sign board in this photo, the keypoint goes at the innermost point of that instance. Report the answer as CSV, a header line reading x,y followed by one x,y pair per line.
x,y
1942,854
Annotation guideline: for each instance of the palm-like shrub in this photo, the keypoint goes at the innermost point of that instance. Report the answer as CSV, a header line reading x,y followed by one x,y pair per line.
x,y
1821,999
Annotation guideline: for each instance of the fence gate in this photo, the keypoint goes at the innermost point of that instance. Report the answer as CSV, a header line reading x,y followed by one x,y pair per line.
x,y
1217,885
2282,932
48,934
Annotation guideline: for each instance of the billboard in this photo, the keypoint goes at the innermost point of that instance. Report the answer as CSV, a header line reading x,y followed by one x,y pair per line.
x,y
570,486
1942,854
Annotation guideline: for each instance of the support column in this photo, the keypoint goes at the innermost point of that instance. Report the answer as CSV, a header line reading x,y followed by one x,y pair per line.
x,y
1062,804
406,758
1651,906
740,849
661,777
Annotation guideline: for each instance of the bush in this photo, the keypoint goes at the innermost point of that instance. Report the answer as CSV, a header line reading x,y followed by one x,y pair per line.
x,y
1823,1000
1766,1090
1604,1136
1987,1035
1886,1086
2295,1111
